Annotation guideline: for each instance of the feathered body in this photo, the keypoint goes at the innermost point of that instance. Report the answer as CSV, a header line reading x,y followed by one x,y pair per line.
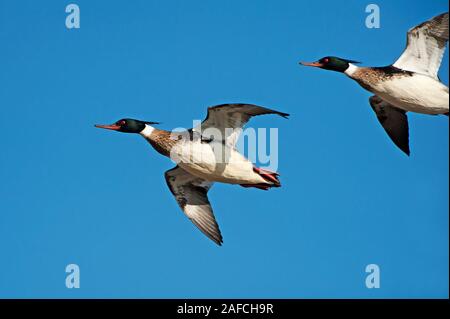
x,y
212,161
409,91
203,159
411,84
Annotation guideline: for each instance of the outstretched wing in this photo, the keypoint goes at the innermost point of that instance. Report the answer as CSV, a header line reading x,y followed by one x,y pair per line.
x,y
225,122
191,194
425,47
394,122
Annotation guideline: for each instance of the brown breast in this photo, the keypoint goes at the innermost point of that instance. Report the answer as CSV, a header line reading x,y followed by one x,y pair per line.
x,y
368,77
163,141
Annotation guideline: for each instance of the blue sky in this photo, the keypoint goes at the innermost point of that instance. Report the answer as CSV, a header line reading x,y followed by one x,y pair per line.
x,y
73,194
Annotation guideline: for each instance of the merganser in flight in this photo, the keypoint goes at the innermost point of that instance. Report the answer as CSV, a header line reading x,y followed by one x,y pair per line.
x,y
205,154
411,84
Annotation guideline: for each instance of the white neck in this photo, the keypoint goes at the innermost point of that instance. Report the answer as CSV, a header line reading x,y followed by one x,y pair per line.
x,y
147,131
351,69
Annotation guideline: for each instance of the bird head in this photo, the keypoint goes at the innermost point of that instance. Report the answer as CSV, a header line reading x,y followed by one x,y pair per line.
x,y
331,63
126,126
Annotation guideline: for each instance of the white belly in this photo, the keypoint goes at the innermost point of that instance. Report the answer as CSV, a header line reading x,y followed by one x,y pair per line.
x,y
214,162
418,93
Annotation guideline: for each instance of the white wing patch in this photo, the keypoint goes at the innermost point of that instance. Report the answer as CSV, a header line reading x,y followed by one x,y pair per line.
x,y
425,47
225,122
191,194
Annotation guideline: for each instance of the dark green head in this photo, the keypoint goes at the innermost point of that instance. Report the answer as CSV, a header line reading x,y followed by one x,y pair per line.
x,y
331,63
126,126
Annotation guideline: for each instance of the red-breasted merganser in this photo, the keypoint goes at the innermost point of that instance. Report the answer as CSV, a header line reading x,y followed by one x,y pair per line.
x,y
205,154
411,84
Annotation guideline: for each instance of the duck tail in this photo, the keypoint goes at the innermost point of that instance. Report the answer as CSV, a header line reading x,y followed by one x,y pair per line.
x,y
268,176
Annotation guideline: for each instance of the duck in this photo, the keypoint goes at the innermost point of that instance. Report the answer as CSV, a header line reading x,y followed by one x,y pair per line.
x,y
205,154
410,84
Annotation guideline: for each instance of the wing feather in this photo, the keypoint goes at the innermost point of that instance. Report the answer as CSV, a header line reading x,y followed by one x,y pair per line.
x,y
394,122
191,195
225,122
425,47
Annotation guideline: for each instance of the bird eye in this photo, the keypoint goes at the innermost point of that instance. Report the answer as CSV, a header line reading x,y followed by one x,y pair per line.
x,y
121,123
326,60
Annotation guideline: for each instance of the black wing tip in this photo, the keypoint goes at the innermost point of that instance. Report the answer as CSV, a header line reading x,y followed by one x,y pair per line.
x,y
408,152
404,148
272,111
217,240
284,115
215,236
